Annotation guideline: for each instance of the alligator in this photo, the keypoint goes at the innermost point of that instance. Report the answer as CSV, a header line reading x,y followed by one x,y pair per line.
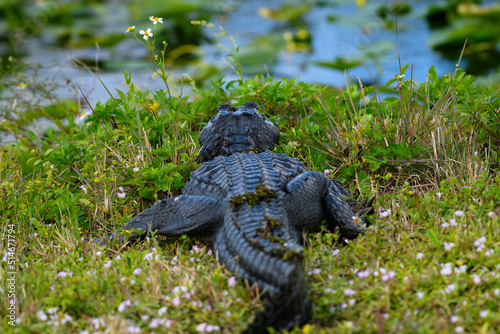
x,y
253,206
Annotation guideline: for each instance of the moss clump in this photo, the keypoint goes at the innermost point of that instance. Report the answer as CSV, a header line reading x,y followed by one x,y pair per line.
x,y
252,149
261,193
268,230
286,254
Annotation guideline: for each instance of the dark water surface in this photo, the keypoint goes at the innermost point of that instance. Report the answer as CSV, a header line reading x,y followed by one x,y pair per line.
x,y
350,35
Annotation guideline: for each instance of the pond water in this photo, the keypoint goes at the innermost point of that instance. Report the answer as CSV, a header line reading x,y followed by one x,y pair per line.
x,y
349,30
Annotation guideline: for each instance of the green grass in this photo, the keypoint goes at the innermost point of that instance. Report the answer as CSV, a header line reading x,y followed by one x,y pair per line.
x,y
429,153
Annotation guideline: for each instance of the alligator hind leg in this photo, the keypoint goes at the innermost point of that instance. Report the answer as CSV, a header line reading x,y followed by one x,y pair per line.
x,y
313,197
175,216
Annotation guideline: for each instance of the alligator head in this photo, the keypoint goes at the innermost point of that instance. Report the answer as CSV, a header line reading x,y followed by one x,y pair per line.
x,y
237,129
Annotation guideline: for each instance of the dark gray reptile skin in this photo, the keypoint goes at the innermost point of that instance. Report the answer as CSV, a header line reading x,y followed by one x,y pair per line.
x,y
254,208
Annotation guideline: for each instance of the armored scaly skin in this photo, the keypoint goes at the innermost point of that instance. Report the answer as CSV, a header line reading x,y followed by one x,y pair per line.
x,y
254,208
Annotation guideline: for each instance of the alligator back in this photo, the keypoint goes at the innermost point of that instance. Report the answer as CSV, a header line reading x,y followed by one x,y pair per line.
x,y
256,242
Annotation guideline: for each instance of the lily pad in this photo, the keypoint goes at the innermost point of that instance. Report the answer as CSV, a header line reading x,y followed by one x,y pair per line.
x,y
261,50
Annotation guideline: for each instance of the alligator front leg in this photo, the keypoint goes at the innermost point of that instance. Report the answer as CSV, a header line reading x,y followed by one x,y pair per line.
x,y
313,197
175,216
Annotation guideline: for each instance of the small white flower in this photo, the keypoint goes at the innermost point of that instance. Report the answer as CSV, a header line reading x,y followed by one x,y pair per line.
x,y
156,19
384,214
136,169
461,269
349,292
176,301
453,222
117,257
448,245
132,28
459,213
327,171
450,288
147,34
149,256
121,195
488,253
124,305
445,225
491,214
211,328
231,281
154,323
98,253
162,311
420,295
439,194
476,279
315,272
459,329
420,256
41,315
447,269
335,252
107,264
496,292
388,276
64,274
66,318
364,273
179,288
483,314
83,188
137,271
133,329
201,327
480,241
52,310
454,319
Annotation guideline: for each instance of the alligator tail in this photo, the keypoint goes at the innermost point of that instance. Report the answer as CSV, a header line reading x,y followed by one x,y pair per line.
x,y
286,307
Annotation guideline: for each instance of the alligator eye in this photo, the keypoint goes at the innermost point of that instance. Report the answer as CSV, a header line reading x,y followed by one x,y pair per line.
x,y
250,104
224,106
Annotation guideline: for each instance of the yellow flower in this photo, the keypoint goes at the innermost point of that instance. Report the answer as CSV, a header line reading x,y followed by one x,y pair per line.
x,y
132,28
21,86
302,34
